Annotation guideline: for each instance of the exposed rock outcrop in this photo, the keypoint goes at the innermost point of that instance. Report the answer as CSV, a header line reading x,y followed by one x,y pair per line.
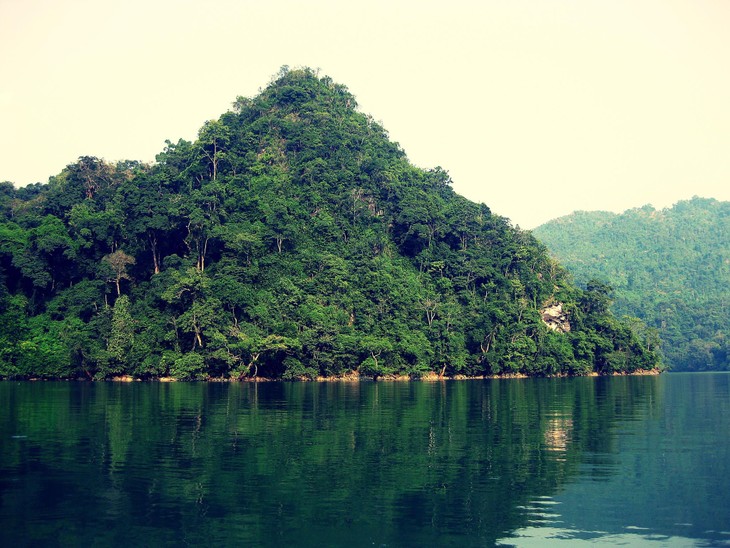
x,y
555,317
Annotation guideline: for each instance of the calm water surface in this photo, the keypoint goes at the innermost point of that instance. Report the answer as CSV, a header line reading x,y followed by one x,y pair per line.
x,y
559,462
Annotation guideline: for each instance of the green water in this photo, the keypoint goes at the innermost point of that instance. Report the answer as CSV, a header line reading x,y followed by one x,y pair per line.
x,y
635,460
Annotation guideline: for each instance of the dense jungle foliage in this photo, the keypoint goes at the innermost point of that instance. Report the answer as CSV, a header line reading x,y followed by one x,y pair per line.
x,y
292,239
671,268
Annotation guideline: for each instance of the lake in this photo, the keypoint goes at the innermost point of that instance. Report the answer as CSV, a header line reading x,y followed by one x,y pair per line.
x,y
520,462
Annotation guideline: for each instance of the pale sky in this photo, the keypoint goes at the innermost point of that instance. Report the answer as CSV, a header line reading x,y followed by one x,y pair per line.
x,y
536,108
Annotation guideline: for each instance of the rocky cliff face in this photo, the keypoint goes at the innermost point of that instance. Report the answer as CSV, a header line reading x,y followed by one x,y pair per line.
x,y
555,318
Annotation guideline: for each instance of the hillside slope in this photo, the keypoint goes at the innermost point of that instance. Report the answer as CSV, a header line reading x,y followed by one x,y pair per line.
x,y
670,268
291,240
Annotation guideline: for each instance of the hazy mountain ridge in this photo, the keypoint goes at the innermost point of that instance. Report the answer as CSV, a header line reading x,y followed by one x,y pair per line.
x,y
669,267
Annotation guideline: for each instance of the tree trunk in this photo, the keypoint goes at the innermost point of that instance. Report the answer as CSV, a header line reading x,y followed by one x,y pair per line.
x,y
155,255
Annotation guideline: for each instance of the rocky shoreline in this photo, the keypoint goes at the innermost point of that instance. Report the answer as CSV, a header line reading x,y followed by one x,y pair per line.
x,y
356,377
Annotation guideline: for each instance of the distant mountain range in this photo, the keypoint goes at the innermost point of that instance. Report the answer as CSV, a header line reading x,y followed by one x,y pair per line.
x,y
670,267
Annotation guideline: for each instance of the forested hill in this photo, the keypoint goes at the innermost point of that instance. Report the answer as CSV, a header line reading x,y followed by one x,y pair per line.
x,y
670,267
292,239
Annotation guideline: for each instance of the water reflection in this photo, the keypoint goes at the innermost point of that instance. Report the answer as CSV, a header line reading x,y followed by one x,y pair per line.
x,y
462,463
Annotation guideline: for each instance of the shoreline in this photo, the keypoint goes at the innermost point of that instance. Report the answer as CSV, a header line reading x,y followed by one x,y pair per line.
x,y
355,377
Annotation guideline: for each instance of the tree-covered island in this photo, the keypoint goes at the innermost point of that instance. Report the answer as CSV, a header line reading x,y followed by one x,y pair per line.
x,y
291,240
